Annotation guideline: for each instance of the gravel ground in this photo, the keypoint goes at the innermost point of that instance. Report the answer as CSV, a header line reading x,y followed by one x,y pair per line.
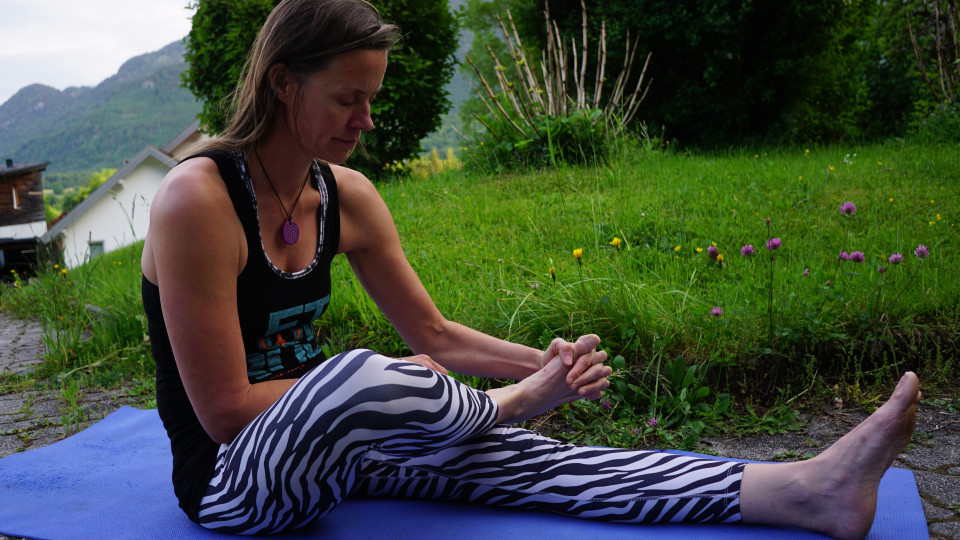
x,y
34,419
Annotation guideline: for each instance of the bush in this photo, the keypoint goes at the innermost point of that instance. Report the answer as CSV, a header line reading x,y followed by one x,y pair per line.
x,y
552,111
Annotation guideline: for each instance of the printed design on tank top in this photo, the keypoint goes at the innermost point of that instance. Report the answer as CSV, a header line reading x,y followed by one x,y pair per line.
x,y
288,344
317,182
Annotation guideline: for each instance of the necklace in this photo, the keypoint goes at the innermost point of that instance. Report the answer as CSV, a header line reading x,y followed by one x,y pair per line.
x,y
289,231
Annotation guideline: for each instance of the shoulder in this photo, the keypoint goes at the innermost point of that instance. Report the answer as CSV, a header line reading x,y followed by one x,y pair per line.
x,y
352,186
365,220
193,210
192,186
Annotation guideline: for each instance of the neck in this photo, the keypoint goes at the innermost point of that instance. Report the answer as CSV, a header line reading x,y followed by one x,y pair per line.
x,y
286,166
286,170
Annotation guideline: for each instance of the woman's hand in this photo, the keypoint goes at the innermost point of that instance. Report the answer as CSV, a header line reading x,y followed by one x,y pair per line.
x,y
587,375
426,362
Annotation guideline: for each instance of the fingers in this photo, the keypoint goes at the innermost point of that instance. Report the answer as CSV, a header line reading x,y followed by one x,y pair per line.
x,y
426,362
568,352
593,380
583,364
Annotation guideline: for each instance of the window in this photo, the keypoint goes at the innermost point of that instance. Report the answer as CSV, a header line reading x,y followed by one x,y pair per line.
x,y
96,249
16,199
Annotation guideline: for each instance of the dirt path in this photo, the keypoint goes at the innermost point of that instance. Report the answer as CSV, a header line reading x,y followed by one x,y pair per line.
x,y
33,419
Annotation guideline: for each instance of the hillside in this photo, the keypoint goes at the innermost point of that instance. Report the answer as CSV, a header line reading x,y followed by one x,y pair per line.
x,y
84,129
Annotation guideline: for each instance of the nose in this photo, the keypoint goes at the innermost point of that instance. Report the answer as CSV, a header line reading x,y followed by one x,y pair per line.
x,y
362,120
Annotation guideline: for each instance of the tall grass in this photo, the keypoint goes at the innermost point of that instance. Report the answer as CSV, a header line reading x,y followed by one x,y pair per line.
x,y
484,248
94,328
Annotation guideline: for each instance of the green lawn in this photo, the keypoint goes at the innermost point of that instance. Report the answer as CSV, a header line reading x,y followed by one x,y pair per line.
x,y
693,338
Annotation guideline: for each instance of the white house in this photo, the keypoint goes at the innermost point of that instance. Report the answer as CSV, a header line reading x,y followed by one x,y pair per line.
x,y
117,213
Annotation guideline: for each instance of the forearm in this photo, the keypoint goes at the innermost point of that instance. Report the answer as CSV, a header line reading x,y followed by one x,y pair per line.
x,y
469,352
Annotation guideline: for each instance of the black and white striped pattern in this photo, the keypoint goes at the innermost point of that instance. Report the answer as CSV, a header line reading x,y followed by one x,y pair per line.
x,y
366,424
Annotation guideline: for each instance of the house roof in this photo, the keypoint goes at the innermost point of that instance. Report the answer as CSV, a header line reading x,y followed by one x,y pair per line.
x,y
178,140
9,168
149,151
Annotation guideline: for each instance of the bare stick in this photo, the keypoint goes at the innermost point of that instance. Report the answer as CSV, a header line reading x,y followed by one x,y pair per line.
x,y
916,52
490,129
602,62
493,98
581,91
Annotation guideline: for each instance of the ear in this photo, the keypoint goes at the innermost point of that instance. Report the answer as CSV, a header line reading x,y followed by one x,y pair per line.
x,y
282,82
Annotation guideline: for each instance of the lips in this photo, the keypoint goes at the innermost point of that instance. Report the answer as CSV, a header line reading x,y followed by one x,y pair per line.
x,y
346,142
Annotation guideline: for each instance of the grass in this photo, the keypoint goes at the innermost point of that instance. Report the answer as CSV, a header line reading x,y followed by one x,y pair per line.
x,y
484,246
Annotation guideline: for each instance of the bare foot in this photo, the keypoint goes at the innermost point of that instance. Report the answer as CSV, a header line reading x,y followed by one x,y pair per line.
x,y
836,492
535,394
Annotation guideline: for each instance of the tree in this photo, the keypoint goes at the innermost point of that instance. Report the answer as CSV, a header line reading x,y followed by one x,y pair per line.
x,y
727,70
408,107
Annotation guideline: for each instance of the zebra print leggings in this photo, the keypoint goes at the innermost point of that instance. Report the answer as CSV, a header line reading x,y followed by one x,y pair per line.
x,y
364,424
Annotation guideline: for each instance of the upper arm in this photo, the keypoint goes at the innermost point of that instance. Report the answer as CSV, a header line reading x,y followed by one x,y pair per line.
x,y
370,241
195,249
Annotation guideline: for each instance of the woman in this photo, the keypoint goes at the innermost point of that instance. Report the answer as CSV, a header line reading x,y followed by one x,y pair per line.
x,y
268,435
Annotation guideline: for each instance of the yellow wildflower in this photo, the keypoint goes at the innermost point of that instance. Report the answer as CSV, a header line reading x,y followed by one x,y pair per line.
x,y
699,249
676,248
938,217
63,271
616,242
831,167
720,257
891,199
577,253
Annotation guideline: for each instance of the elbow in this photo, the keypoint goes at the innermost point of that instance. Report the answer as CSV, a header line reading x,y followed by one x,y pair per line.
x,y
432,337
222,424
221,430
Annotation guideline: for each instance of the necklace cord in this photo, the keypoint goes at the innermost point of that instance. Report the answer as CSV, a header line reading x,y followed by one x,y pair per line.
x,y
267,175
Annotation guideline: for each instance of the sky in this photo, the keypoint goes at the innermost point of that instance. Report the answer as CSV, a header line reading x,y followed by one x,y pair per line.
x,y
63,43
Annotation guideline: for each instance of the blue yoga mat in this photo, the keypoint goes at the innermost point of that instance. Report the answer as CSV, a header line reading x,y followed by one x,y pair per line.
x,y
112,480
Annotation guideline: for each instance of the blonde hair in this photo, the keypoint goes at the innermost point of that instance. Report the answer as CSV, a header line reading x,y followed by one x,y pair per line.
x,y
303,35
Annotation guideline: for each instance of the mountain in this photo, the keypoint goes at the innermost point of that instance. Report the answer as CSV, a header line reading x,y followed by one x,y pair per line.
x,y
84,129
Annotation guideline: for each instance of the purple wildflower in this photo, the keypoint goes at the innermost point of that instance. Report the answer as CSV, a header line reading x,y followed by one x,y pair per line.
x,y
857,256
922,251
896,258
717,311
844,256
652,422
848,208
806,272
747,250
767,221
606,404
773,244
881,270
712,252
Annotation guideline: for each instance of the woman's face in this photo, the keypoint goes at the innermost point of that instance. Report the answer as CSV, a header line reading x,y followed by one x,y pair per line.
x,y
333,107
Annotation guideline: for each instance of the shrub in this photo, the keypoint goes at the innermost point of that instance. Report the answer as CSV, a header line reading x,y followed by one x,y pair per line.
x,y
551,111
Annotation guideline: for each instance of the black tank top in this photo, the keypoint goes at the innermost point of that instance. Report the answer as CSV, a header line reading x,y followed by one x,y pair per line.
x,y
276,310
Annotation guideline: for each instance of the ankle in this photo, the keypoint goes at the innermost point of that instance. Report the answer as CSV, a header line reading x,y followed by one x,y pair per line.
x,y
510,404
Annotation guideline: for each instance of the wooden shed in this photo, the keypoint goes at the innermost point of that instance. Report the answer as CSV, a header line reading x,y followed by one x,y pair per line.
x,y
22,219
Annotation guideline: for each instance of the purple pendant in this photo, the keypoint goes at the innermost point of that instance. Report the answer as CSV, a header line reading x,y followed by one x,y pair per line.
x,y
291,233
